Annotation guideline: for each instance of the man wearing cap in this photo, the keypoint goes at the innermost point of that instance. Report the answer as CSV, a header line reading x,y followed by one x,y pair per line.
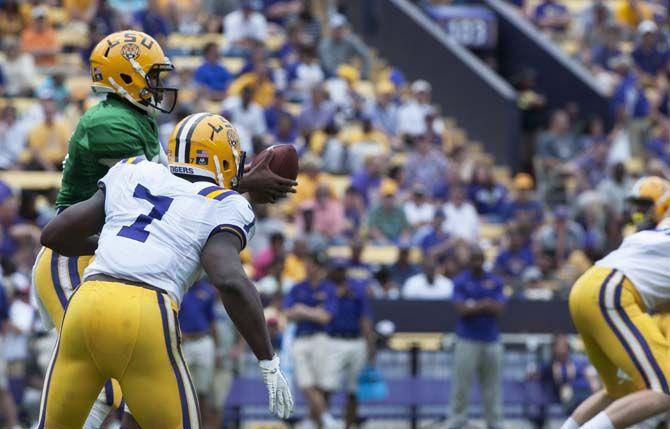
x,y
515,256
18,69
342,47
352,337
551,15
384,111
524,207
650,54
312,304
388,224
412,113
479,301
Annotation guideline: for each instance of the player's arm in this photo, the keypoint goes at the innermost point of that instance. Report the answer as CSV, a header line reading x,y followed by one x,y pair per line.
x,y
221,260
74,232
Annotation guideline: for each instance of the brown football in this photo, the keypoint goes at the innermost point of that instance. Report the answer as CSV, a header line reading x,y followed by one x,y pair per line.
x,y
285,161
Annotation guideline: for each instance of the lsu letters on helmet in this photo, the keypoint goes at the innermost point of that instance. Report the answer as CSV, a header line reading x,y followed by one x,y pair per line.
x,y
129,63
206,145
649,201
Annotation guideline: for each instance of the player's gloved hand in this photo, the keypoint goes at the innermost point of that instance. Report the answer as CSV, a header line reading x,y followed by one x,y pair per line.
x,y
263,184
281,399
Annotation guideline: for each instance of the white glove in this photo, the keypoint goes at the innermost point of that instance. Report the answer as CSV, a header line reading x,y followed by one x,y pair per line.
x,y
281,399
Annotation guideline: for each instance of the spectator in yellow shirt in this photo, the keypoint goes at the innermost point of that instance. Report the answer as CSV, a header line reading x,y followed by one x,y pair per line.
x,y
308,179
11,19
365,141
47,142
294,268
259,79
633,12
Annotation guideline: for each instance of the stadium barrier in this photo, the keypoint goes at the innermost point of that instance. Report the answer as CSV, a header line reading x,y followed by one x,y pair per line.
x,y
521,46
467,89
419,391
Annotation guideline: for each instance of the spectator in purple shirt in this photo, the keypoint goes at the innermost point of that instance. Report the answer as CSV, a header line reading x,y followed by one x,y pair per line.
x,y
658,146
435,235
311,304
515,257
592,164
479,301
211,75
368,178
199,340
9,218
151,21
651,54
317,112
602,53
629,99
489,197
426,166
524,207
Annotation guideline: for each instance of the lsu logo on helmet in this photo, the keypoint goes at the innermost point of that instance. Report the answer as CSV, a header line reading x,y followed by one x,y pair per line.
x,y
130,64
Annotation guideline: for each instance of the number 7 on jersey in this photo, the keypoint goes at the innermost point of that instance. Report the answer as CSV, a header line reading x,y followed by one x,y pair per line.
x,y
137,230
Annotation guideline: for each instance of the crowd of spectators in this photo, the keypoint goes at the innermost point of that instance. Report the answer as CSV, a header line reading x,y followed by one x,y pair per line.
x,y
386,181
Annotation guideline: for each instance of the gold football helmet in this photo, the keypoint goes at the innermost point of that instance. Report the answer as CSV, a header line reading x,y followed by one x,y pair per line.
x,y
206,145
649,201
129,63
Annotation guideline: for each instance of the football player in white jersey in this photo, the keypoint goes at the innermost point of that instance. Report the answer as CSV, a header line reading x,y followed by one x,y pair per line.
x,y
611,304
154,230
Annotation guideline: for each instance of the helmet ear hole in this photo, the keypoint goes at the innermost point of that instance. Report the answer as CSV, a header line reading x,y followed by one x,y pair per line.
x,y
127,79
226,165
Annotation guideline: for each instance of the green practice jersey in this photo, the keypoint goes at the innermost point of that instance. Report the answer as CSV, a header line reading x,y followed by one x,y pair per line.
x,y
110,131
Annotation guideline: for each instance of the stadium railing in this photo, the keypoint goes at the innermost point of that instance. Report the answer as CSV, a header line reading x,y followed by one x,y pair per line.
x,y
417,364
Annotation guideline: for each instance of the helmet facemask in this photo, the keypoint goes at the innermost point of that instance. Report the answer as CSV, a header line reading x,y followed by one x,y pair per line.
x,y
155,95
641,213
235,180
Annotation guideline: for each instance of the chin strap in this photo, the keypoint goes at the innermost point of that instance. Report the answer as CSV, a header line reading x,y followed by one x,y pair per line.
x,y
219,173
125,94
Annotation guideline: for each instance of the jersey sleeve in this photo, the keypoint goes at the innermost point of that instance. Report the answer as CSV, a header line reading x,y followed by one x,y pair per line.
x,y
233,214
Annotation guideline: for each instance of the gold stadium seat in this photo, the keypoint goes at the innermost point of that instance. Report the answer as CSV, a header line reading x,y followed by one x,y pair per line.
x,y
32,180
376,255
190,42
491,231
21,104
192,62
427,341
74,35
338,184
72,61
